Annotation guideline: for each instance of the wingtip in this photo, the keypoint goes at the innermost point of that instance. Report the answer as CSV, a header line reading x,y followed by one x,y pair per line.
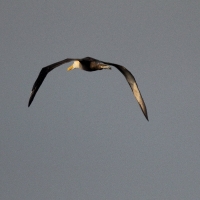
x,y
29,103
146,116
30,99
145,113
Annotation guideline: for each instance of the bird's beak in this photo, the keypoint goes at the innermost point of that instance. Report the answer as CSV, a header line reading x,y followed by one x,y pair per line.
x,y
70,68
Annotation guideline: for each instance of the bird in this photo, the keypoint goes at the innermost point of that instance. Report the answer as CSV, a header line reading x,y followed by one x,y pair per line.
x,y
90,64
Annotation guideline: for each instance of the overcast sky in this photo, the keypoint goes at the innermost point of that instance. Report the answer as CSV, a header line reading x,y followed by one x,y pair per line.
x,y
84,137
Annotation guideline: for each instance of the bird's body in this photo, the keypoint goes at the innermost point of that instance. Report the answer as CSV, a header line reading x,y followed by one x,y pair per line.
x,y
90,64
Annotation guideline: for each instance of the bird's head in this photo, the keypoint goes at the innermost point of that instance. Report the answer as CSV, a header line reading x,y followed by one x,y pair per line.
x,y
75,65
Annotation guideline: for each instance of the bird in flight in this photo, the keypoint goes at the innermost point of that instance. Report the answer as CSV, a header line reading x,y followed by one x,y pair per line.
x,y
90,64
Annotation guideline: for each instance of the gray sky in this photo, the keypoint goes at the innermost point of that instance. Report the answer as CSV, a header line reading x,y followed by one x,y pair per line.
x,y
84,136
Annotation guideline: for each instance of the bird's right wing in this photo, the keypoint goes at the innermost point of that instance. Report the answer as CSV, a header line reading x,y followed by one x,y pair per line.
x,y
43,73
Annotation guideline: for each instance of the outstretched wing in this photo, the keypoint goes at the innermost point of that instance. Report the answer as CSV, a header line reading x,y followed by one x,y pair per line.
x,y
44,71
134,87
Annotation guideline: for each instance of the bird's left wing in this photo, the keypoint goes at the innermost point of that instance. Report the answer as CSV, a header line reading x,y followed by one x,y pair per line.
x,y
43,73
133,84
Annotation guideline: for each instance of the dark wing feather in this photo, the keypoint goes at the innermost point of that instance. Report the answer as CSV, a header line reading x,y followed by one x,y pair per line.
x,y
44,71
134,87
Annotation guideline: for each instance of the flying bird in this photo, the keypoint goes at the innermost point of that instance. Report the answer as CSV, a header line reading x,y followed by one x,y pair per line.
x,y
90,64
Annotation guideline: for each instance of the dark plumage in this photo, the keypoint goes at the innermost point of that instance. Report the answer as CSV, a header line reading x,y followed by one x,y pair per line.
x,y
90,64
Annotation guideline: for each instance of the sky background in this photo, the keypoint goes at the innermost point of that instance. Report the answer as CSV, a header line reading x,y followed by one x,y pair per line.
x,y
84,136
